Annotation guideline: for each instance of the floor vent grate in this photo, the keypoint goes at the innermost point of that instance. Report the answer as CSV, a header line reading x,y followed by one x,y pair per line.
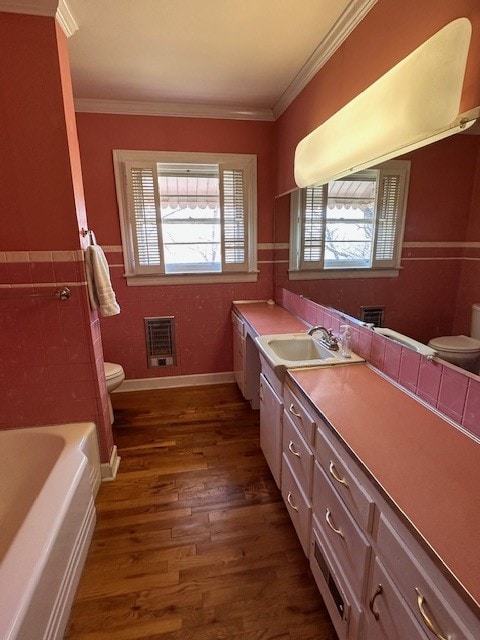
x,y
372,315
160,339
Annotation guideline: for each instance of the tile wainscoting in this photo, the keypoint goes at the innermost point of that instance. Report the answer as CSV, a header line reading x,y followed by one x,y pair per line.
x,y
454,393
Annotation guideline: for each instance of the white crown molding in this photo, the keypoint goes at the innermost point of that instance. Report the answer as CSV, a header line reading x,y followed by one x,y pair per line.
x,y
174,109
66,19
340,31
49,8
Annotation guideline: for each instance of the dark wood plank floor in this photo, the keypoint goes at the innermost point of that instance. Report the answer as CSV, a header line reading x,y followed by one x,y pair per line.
x,y
193,540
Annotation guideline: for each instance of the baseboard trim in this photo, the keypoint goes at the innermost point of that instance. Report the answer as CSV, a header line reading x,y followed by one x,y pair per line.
x,y
108,470
144,384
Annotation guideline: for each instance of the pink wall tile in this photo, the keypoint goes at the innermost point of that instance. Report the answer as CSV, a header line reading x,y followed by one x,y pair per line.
x,y
471,414
409,369
391,364
452,394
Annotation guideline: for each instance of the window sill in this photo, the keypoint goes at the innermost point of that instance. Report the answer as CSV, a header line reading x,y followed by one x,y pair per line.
x,y
339,274
189,278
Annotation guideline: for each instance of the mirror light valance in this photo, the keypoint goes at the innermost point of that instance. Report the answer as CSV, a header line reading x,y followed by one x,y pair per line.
x,y
413,104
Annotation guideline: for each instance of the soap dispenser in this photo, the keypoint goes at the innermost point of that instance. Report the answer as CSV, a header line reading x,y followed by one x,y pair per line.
x,y
345,340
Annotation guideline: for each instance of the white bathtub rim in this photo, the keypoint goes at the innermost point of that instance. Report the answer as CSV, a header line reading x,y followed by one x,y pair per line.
x,y
24,569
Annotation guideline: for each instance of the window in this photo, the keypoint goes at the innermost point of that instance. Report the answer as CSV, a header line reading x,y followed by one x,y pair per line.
x,y
350,227
187,215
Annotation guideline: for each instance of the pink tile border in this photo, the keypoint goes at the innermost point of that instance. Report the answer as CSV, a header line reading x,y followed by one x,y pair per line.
x,y
448,389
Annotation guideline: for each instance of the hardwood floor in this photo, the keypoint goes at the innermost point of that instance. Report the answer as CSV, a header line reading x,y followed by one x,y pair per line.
x,y
193,540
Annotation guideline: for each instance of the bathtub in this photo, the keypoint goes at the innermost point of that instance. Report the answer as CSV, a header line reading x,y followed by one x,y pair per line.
x,y
49,477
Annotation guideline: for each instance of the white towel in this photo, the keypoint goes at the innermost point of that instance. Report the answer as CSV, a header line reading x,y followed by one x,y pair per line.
x,y
102,296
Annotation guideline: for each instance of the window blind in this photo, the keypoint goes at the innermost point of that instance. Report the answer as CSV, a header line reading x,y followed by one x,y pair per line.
x,y
313,219
388,215
145,215
232,194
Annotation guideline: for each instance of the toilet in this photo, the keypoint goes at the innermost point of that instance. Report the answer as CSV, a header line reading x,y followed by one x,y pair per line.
x,y
463,351
114,375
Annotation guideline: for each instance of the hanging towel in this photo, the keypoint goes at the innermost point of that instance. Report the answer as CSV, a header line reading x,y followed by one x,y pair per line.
x,y
102,296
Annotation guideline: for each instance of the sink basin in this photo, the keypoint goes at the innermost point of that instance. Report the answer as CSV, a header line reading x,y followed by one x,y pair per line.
x,y
297,350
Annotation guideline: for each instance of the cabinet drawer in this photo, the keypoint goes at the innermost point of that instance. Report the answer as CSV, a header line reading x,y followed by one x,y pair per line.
x,y
426,597
299,414
388,617
343,607
345,481
345,538
238,324
298,505
298,454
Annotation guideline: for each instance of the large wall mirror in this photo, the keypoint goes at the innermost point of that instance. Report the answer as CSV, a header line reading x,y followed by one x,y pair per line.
x,y
439,278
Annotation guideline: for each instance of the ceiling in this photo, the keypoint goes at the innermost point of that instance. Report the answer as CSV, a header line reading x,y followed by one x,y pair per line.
x,y
248,54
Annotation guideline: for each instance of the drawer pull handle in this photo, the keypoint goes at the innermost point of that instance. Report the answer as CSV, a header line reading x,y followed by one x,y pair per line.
x,y
429,623
292,450
371,604
335,476
289,500
328,518
291,408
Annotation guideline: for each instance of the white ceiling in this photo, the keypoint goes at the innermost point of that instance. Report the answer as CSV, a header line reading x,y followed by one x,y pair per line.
x,y
248,54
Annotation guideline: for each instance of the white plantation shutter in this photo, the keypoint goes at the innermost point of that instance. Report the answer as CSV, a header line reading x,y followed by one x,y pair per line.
x,y
313,220
389,218
144,215
234,219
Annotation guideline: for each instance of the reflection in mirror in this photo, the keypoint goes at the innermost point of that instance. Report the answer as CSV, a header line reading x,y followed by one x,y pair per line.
x,y
439,279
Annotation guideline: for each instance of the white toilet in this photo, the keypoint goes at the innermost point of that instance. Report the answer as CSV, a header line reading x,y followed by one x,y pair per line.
x,y
463,351
114,375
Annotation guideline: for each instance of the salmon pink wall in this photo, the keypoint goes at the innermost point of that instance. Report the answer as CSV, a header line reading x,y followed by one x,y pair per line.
x,y
389,32
51,366
34,164
202,312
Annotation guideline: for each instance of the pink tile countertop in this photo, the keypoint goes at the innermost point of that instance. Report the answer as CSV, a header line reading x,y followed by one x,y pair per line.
x,y
266,319
427,467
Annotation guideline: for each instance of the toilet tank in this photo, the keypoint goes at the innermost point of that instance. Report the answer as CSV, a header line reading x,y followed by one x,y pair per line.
x,y
475,329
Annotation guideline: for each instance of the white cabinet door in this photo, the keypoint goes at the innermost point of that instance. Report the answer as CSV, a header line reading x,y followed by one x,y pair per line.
x,y
271,409
239,353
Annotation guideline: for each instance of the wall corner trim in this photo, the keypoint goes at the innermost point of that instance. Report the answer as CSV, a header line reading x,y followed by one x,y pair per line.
x,y
58,9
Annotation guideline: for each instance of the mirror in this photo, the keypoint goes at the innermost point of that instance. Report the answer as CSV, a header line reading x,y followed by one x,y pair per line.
x,y
438,281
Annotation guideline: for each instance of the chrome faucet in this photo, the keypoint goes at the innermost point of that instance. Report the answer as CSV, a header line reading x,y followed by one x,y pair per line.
x,y
328,339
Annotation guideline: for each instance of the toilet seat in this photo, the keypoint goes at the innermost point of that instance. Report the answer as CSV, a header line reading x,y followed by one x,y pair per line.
x,y
113,370
114,375
455,344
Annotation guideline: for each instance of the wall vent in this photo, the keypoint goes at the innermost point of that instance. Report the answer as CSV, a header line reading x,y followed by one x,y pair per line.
x,y
160,339
372,315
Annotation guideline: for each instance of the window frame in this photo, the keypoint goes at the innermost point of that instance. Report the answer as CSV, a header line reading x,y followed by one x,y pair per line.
x,y
298,270
123,159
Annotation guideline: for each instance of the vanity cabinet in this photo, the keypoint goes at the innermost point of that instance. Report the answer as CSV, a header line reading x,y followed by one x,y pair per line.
x,y
378,581
271,410
246,361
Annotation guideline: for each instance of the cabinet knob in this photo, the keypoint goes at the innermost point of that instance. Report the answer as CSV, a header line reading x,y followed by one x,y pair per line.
x,y
371,604
429,622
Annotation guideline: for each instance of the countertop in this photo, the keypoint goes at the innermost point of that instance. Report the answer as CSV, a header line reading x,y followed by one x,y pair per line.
x,y
267,318
426,466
